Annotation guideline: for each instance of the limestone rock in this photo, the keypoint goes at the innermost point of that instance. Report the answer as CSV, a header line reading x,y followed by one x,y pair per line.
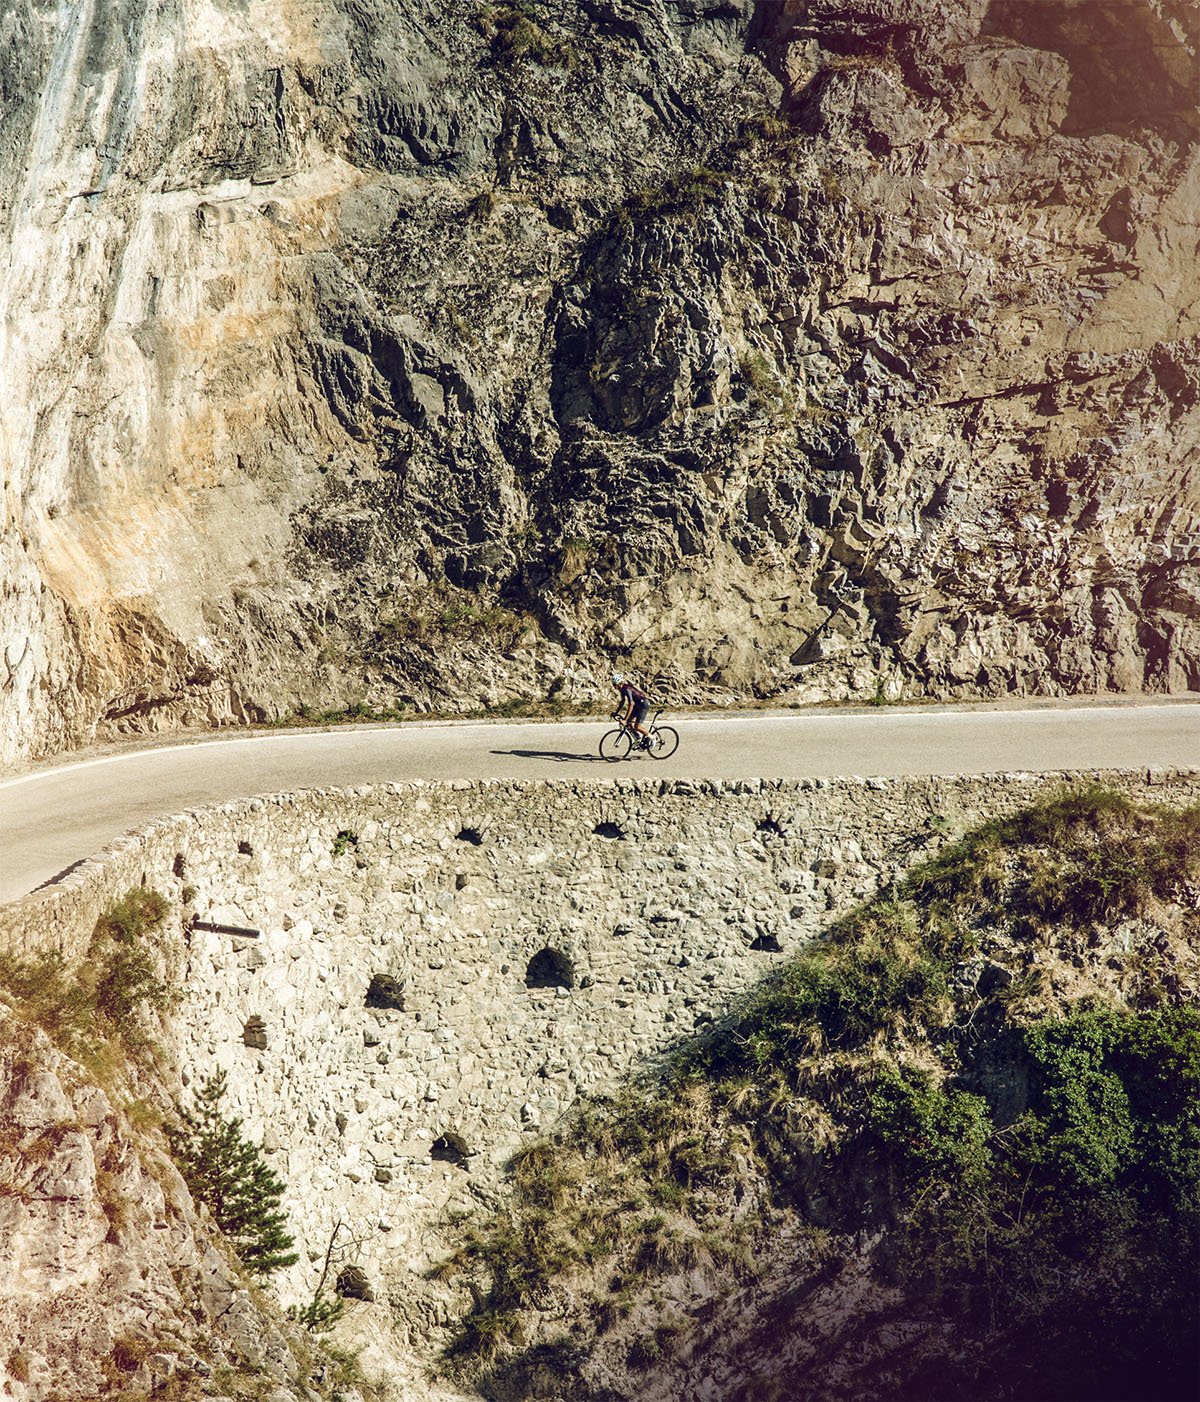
x,y
108,1279
355,353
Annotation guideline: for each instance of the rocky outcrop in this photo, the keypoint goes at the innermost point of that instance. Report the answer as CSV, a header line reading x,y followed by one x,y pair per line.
x,y
110,1282
429,355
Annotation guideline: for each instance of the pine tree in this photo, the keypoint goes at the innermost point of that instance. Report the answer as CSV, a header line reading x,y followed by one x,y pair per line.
x,y
227,1173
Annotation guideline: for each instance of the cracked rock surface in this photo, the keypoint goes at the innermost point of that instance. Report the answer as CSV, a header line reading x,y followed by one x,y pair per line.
x,y
432,355
109,1281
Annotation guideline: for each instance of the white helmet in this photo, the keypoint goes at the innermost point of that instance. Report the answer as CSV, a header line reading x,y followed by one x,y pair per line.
x,y
617,678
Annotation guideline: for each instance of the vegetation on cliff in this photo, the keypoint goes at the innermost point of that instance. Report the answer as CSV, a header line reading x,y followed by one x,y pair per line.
x,y
113,1287
953,1148
95,1009
228,1174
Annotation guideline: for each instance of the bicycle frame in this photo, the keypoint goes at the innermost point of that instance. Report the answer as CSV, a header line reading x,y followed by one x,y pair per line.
x,y
629,726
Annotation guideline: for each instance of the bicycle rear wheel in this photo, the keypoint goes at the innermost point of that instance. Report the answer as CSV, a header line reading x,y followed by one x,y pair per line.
x,y
614,744
664,741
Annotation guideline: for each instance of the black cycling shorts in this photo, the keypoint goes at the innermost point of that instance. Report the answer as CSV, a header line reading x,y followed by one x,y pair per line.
x,y
640,709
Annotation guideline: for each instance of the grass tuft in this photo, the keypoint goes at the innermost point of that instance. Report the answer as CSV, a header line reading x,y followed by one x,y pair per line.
x,y
432,613
519,33
96,1010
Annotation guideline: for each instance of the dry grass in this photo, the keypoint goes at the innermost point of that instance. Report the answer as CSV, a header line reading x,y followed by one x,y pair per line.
x,y
96,1011
432,613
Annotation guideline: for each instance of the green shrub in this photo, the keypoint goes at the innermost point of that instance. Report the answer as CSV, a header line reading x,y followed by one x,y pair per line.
x,y
1115,1104
1080,1240
124,983
227,1173
874,977
345,841
137,912
320,1314
44,991
517,33
926,1132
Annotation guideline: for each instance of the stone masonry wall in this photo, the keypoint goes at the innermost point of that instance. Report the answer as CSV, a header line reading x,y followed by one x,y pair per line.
x,y
639,911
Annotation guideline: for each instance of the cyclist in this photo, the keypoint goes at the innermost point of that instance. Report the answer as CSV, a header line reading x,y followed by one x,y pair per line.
x,y
632,707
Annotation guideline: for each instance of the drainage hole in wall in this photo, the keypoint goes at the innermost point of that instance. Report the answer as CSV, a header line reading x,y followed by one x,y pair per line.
x,y
385,992
613,830
549,969
770,826
245,850
179,866
450,1148
345,841
767,944
254,1034
471,835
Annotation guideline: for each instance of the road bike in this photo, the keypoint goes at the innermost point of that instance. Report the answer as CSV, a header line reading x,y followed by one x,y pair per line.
x,y
659,741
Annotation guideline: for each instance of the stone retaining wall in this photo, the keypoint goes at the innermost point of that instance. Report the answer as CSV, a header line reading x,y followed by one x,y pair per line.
x,y
443,968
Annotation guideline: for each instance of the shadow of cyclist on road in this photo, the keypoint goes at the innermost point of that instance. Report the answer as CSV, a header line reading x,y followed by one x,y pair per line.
x,y
547,754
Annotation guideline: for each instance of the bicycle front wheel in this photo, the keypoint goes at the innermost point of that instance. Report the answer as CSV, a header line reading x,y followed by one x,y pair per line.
x,y
614,744
664,741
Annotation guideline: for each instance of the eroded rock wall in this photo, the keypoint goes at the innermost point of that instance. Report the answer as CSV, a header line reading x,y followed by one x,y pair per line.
x,y
110,1281
428,355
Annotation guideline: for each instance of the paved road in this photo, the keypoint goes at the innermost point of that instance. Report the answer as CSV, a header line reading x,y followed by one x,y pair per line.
x,y
54,817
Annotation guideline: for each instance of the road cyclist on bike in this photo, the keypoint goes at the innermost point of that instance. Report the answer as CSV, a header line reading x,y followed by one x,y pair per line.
x,y
635,731
632,708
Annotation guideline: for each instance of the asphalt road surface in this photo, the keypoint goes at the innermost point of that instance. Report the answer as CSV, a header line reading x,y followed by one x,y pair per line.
x,y
54,817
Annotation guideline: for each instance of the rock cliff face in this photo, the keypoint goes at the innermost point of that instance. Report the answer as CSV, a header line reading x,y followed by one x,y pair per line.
x,y
112,1285
434,353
